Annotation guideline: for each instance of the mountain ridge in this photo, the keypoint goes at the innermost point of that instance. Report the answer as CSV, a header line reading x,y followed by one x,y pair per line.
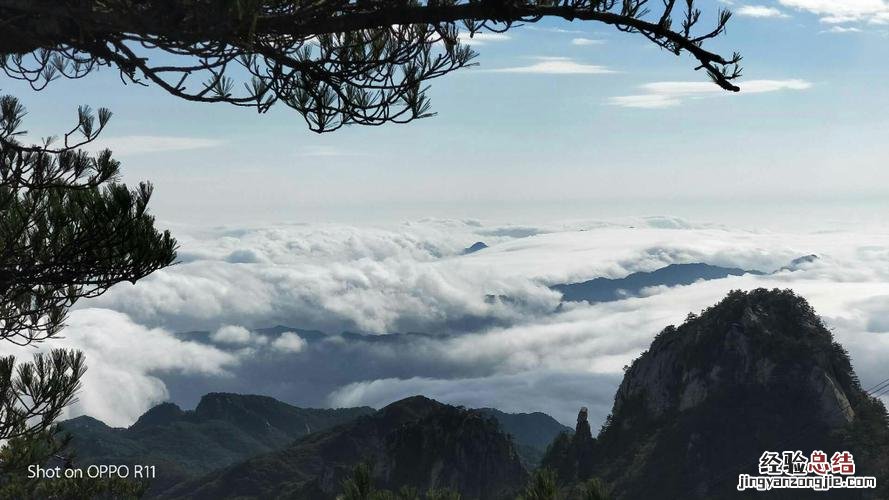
x,y
603,289
632,285
472,456
223,429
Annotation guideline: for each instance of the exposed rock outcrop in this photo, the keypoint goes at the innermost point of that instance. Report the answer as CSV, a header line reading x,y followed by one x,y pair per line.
x,y
757,372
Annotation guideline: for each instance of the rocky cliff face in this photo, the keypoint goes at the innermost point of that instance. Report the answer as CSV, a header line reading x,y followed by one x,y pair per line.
x,y
757,372
764,341
416,442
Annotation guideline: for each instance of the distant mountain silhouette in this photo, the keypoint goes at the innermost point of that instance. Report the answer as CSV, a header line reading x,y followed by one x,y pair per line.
x,y
415,442
223,429
611,289
478,245
533,429
798,263
532,432
757,372
608,289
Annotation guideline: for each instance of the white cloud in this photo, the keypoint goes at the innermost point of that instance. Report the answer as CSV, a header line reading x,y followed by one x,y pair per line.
x,y
669,94
325,276
557,66
482,38
750,87
289,342
238,335
412,277
125,362
645,101
141,144
534,27
845,11
759,11
842,29
324,151
586,41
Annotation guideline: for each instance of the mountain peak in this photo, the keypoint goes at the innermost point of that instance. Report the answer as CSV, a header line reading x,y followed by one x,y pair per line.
x,y
214,401
536,429
161,414
582,430
85,422
799,263
476,247
756,372
610,289
749,339
411,408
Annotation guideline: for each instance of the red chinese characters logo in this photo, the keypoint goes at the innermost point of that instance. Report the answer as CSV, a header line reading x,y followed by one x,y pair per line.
x,y
842,463
818,463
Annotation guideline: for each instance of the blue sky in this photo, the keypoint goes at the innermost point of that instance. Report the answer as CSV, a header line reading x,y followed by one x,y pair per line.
x,y
552,138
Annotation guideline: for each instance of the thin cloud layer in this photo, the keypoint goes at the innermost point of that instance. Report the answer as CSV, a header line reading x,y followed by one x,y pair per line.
x,y
482,38
557,66
842,29
669,94
586,41
760,11
142,144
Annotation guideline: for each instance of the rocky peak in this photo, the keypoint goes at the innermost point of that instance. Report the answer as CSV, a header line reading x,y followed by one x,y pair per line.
x,y
582,431
216,403
752,341
257,412
756,372
161,414
410,408
800,262
476,247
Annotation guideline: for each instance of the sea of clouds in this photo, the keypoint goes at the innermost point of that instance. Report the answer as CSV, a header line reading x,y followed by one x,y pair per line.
x,y
403,311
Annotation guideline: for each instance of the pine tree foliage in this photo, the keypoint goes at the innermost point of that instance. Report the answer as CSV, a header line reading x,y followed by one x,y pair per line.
x,y
33,394
543,485
68,230
361,486
48,448
594,489
336,62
